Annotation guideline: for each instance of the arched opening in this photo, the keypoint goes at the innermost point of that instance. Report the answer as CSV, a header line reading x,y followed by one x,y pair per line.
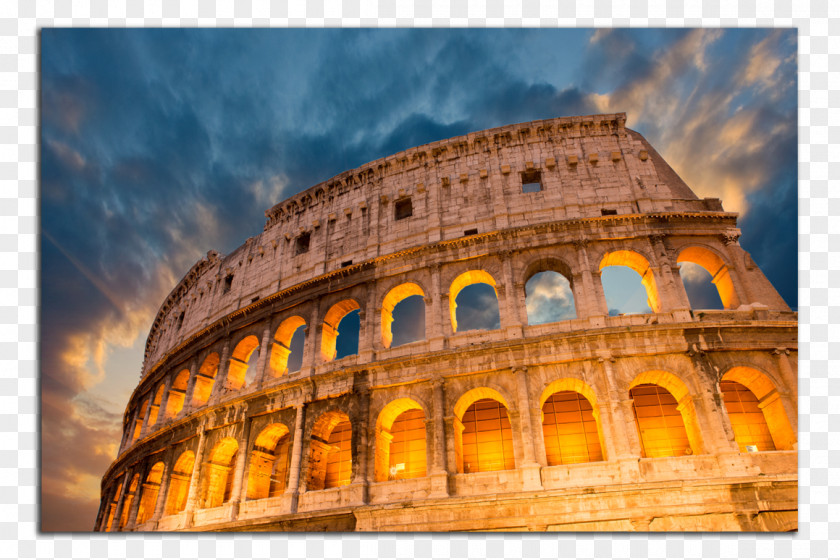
x,y
149,493
286,356
695,281
177,394
204,379
179,484
129,500
758,408
243,363
570,429
403,315
473,302
269,465
483,436
112,507
138,423
549,298
153,414
622,288
400,441
330,452
333,324
219,473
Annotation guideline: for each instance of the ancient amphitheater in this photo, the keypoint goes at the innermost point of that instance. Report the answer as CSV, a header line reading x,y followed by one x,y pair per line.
x,y
678,419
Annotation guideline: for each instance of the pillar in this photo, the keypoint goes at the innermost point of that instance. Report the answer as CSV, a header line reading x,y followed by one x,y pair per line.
x,y
115,524
620,414
192,493
265,351
360,466
164,400
434,312
312,341
165,479
712,418
293,488
509,306
220,383
188,397
675,296
528,434
367,324
144,429
589,293
238,489
787,374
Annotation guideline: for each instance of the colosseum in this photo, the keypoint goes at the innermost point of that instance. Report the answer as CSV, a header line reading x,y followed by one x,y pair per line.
x,y
248,418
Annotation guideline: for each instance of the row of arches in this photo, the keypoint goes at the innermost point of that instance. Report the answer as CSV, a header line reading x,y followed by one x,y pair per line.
x,y
483,440
473,303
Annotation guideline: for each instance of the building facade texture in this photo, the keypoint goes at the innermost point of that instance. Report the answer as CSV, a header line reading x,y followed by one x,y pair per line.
x,y
678,419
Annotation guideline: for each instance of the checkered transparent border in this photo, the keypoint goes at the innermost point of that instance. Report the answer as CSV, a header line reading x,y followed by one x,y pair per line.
x,y
818,25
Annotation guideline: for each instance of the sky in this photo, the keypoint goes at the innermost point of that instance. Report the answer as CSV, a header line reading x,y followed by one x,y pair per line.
x,y
159,145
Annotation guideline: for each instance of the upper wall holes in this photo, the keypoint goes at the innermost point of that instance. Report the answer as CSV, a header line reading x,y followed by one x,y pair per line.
x,y
531,181
302,243
402,209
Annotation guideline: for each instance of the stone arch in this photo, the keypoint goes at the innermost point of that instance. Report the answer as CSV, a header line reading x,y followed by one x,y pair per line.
x,y
330,451
238,369
149,493
711,261
112,506
579,387
128,500
204,379
682,407
548,264
641,266
768,402
268,467
329,327
463,280
282,346
138,424
394,296
179,483
155,411
177,394
218,477
476,412
411,440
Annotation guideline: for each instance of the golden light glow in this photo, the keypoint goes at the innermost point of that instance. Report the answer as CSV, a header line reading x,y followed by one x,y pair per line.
x,y
715,266
268,469
462,281
177,394
149,493
330,451
281,348
395,295
661,429
570,430
179,484
339,457
205,379
329,329
218,477
238,368
487,440
746,417
769,403
641,266
128,500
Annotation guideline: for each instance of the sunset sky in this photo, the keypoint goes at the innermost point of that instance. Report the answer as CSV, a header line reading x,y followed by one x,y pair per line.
x,y
160,145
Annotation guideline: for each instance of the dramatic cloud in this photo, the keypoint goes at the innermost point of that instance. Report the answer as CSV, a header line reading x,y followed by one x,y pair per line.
x,y
549,298
159,145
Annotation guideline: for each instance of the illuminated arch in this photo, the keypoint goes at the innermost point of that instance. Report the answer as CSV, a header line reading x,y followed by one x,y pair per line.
x,y
665,415
395,296
329,329
177,394
640,265
269,463
330,451
138,424
483,436
153,414
462,281
282,347
112,507
400,440
179,484
239,358
544,265
571,423
218,477
767,403
714,265
204,379
149,493
129,500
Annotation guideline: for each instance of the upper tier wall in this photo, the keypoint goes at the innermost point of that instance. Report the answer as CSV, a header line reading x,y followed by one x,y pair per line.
x,y
586,166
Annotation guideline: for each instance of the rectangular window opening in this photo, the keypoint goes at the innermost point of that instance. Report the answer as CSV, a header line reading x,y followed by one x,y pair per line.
x,y
402,209
473,231
228,283
302,243
531,181
608,212
346,263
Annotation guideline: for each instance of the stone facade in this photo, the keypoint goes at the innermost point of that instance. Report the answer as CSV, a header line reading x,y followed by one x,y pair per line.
x,y
218,440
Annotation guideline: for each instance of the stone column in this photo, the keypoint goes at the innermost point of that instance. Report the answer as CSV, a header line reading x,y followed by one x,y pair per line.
x,y
144,429
188,397
239,488
620,414
738,272
523,404
509,305
589,289
673,295
367,324
361,451
163,490
439,477
195,479
265,351
220,383
135,503
115,524
716,437
293,488
312,341
787,374
164,399
435,333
